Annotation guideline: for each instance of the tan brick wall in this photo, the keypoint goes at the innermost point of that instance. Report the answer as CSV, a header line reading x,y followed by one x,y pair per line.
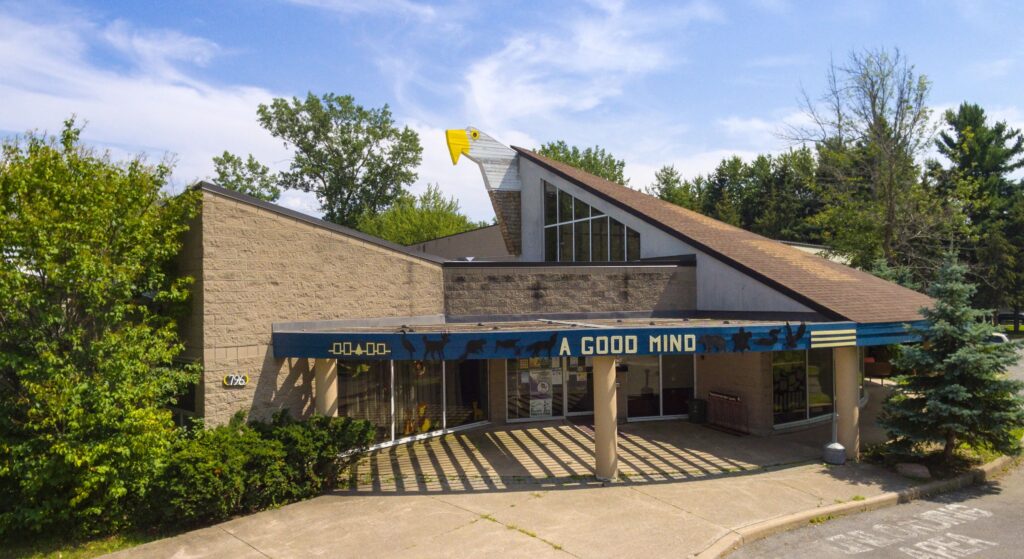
x,y
747,375
261,267
495,290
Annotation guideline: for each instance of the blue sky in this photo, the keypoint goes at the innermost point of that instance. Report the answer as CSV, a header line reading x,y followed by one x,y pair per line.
x,y
656,83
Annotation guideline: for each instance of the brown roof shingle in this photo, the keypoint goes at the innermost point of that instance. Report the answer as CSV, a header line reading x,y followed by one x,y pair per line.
x,y
829,287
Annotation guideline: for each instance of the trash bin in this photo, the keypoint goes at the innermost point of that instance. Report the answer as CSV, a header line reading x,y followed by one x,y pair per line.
x,y
698,410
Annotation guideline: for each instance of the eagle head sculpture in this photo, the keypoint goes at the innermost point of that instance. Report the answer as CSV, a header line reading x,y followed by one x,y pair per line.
x,y
498,163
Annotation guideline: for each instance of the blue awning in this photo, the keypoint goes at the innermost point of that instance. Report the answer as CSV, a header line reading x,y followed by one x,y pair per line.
x,y
554,340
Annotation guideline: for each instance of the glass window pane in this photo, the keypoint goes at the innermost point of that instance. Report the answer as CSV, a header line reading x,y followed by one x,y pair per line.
x,y
565,246
632,244
465,391
550,204
551,244
599,236
564,207
789,386
617,232
581,210
535,388
595,212
819,382
364,392
641,385
582,241
677,377
418,404
579,385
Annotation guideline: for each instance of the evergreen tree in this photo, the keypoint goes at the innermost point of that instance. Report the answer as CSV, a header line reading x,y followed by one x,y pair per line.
x,y
669,186
957,390
982,156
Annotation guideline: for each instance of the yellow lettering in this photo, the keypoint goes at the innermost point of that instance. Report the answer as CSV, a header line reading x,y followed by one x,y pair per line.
x,y
654,344
564,349
675,343
587,345
630,344
690,342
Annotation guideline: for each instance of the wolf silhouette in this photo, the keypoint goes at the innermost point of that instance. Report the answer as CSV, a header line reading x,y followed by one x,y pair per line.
x,y
543,346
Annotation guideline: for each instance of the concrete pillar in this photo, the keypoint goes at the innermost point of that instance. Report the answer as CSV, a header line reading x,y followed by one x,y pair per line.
x,y
325,382
848,399
606,428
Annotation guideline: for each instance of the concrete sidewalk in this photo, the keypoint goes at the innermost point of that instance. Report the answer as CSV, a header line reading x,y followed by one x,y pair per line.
x,y
676,518
530,491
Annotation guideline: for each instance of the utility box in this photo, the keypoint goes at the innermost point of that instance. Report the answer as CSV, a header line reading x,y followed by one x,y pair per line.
x,y
698,410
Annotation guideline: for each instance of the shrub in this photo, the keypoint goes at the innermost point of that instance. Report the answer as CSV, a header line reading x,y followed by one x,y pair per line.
x,y
239,468
212,474
313,446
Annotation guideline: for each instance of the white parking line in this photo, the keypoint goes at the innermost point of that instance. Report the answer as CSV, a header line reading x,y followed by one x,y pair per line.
x,y
927,523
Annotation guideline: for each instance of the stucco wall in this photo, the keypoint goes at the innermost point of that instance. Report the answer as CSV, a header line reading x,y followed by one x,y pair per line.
x,y
747,375
485,243
497,290
261,267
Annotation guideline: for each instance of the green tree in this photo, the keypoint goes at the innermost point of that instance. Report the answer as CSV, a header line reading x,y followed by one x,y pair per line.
x,y
957,390
248,177
356,160
413,219
869,128
595,160
669,186
981,157
86,343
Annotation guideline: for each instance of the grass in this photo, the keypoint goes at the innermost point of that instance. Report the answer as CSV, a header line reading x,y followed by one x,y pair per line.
x,y
73,548
821,519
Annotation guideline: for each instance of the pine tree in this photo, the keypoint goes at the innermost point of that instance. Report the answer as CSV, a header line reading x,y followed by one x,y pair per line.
x,y
957,390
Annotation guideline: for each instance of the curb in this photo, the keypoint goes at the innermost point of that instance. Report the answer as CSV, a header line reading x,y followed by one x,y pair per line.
x,y
735,539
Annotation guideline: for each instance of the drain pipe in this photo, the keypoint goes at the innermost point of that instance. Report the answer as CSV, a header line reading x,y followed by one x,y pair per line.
x,y
834,453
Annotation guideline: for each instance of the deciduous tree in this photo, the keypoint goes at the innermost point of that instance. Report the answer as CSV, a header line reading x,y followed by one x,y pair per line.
x,y
248,177
595,160
413,219
356,160
86,341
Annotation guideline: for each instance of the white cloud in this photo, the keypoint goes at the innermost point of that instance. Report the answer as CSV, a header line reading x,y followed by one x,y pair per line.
x,y
152,107
763,135
575,67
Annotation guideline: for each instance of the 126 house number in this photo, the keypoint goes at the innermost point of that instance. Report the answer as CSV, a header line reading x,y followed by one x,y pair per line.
x,y
236,380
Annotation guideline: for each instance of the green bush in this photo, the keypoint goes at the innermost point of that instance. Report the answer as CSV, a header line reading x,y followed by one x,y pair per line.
x,y
87,342
239,468
312,447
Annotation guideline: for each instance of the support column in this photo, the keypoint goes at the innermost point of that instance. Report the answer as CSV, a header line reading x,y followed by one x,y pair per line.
x,y
325,382
848,399
606,428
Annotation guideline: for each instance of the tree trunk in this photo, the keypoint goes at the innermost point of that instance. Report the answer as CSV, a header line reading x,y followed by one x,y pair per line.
x,y
947,451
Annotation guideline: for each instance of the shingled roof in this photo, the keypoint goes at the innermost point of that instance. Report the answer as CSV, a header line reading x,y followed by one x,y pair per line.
x,y
828,287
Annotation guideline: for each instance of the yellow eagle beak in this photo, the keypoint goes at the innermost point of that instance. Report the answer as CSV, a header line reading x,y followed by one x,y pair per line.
x,y
458,143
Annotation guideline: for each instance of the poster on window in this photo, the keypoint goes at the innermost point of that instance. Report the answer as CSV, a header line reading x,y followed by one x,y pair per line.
x,y
540,393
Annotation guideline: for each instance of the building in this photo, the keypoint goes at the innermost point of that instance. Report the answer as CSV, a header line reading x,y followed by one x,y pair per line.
x,y
602,300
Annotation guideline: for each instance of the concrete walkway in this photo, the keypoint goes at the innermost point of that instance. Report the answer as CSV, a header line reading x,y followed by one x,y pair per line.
x,y
529,492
